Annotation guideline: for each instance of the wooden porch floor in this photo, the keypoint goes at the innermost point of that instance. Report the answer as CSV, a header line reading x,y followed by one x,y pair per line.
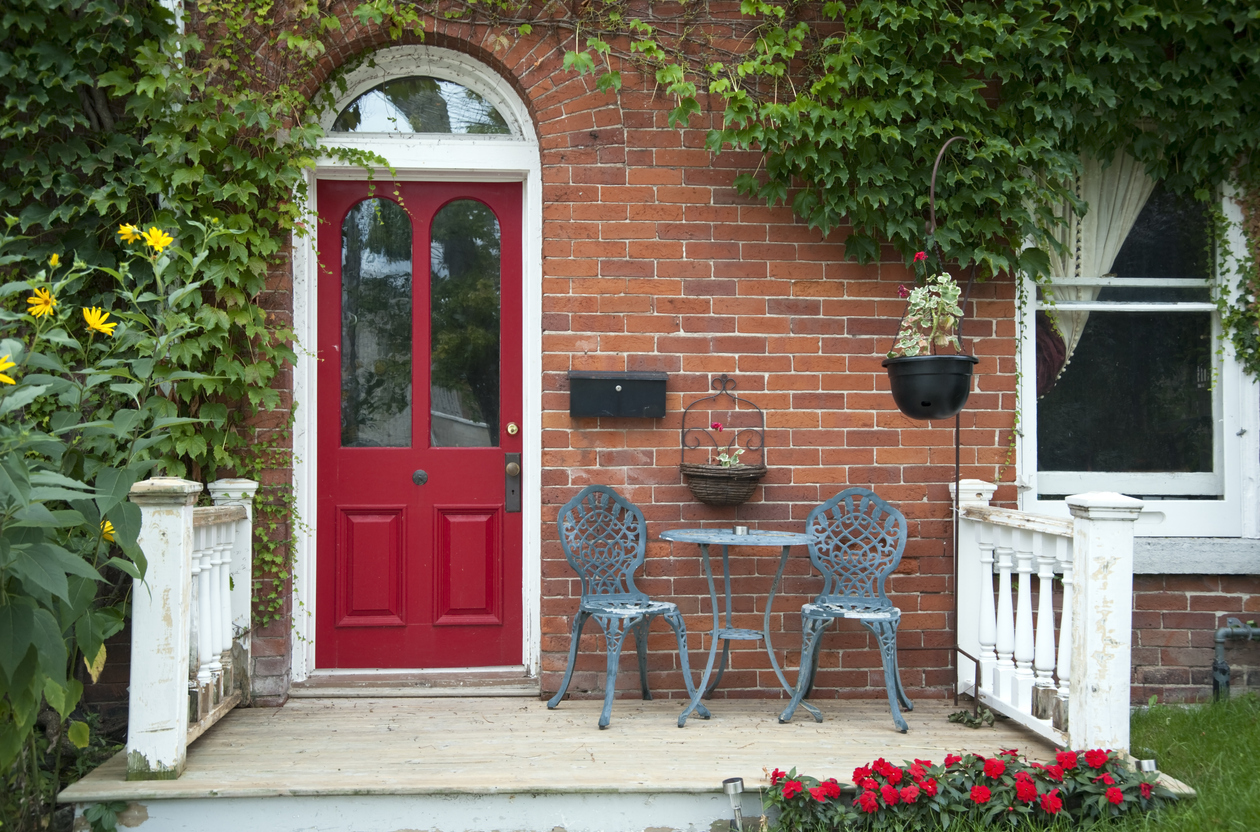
x,y
499,745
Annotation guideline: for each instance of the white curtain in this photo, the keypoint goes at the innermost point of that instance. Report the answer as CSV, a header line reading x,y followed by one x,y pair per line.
x,y
1116,195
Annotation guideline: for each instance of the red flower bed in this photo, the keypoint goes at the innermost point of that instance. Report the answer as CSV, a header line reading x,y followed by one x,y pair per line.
x,y
1082,786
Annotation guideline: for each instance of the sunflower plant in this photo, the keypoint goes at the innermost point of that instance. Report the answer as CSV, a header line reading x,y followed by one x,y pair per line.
x,y
83,415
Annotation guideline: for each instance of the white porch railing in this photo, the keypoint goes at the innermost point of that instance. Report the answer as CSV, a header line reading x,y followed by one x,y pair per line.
x,y
1066,680
188,665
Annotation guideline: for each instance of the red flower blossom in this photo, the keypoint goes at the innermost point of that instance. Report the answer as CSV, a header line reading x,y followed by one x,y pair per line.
x,y
869,784
831,788
776,776
861,773
889,793
1050,803
1106,778
916,771
919,257
882,767
818,793
909,794
1054,773
1025,790
717,426
929,786
980,794
1115,796
1096,758
902,291
867,802
1067,759
994,768
792,788
1145,789
950,759
894,776
1009,752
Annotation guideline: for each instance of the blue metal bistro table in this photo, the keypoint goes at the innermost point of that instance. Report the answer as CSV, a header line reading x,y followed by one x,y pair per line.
x,y
726,634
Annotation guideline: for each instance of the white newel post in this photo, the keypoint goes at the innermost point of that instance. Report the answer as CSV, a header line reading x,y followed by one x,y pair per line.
x,y
1102,545
158,712
971,494
240,492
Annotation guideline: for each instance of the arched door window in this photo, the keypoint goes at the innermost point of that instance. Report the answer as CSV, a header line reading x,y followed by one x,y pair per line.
x,y
422,104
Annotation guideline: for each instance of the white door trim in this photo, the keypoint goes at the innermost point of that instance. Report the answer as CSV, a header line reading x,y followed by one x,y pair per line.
x,y
423,158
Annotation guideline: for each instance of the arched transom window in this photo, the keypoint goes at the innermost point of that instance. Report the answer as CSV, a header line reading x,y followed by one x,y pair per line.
x,y
421,104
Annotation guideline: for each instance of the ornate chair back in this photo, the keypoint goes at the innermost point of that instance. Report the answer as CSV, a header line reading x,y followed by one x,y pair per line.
x,y
858,542
604,538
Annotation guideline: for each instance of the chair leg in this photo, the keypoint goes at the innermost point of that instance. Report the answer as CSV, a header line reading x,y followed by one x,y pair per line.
x,y
906,704
640,646
886,631
811,636
675,621
579,621
615,635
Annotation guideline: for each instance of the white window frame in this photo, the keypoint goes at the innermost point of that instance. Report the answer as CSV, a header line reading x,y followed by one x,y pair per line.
x,y
424,157
1236,447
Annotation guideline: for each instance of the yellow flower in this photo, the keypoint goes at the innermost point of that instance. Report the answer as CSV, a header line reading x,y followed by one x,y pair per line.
x,y
96,320
107,530
157,239
5,364
42,303
129,232
55,260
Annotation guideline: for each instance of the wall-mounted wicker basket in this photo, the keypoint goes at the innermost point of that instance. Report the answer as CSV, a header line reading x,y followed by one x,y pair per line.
x,y
715,484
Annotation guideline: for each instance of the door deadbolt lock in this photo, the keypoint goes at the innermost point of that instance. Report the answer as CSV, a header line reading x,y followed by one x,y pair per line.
x,y
420,477
513,469
512,429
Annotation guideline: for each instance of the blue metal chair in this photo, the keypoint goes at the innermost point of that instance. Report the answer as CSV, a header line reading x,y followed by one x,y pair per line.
x,y
604,537
858,540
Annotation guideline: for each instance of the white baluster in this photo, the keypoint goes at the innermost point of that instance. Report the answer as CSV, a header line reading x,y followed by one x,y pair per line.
x,y
1043,662
1063,550
988,620
1021,691
214,556
227,541
1004,676
205,625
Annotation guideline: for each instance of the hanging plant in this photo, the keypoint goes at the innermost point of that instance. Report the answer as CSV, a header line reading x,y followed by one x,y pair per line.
x,y
723,479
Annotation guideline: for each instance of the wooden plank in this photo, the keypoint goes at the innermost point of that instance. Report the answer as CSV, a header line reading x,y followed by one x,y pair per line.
x,y
202,725
211,515
476,746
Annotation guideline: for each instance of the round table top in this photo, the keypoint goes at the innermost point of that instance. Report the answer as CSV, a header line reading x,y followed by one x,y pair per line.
x,y
727,537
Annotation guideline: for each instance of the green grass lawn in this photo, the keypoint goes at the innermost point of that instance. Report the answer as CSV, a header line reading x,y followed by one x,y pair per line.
x,y
1213,749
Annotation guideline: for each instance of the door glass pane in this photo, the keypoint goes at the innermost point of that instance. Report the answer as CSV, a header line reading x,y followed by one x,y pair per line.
x,y
420,104
376,326
465,324
1136,396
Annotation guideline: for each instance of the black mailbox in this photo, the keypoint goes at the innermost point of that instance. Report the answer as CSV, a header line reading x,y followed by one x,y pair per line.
x,y
617,394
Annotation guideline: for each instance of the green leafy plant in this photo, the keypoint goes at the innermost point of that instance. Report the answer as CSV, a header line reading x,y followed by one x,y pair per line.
x,y
84,414
931,318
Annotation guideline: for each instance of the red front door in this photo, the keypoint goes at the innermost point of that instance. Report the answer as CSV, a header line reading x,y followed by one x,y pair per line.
x,y
418,528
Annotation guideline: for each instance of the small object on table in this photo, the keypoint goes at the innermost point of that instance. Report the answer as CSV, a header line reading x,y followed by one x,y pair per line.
x,y
741,530
726,634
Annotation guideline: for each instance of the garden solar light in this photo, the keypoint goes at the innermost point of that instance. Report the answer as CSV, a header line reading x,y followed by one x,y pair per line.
x,y
734,787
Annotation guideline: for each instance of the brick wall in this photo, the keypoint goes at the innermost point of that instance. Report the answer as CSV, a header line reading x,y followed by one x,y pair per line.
x,y
1175,618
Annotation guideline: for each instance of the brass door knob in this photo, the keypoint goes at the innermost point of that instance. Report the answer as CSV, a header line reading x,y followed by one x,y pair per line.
x,y
513,469
512,429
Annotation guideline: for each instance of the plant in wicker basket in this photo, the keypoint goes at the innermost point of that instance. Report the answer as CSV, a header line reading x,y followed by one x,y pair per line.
x,y
719,429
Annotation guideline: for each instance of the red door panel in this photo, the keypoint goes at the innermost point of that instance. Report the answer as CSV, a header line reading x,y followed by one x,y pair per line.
x,y
418,570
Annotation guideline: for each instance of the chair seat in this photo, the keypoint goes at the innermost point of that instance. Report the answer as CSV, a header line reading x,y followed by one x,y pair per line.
x,y
626,609
869,612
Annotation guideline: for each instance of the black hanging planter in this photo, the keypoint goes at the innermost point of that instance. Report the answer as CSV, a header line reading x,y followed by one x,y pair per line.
x,y
930,386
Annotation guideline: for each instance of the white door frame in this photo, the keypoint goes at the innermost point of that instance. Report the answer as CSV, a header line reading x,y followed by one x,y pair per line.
x,y
419,157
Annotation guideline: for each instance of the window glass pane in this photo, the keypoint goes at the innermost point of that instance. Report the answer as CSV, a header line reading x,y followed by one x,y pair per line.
x,y
376,326
419,104
1136,396
1169,239
464,292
